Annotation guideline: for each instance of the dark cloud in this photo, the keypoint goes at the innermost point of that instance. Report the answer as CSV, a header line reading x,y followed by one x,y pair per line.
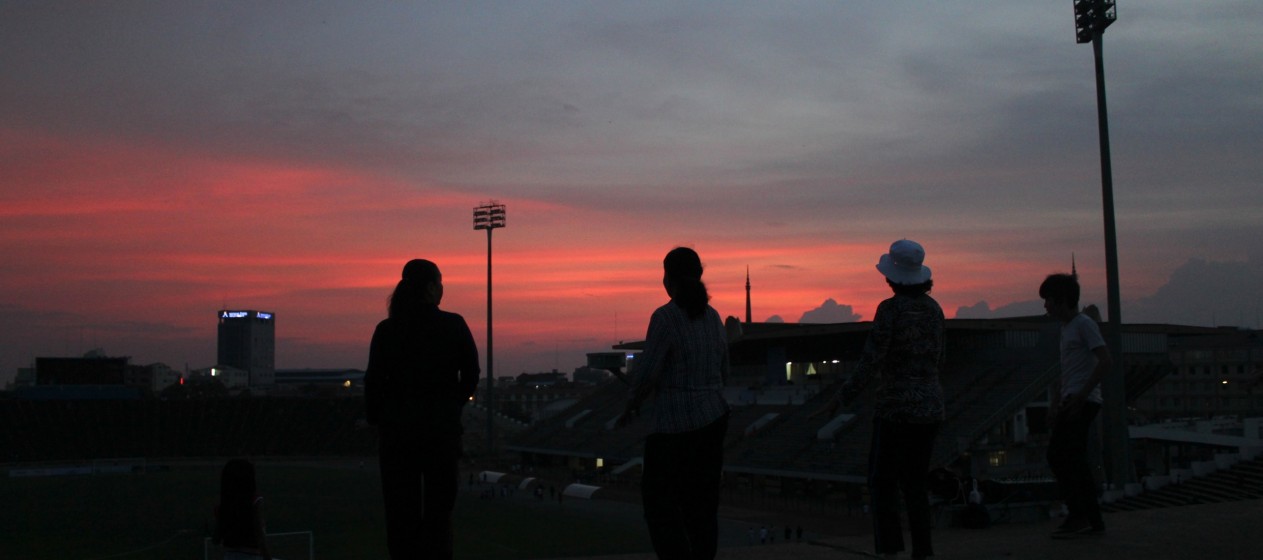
x,y
982,310
1199,292
830,312
1208,293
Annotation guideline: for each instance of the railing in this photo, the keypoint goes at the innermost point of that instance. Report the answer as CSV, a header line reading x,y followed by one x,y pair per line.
x,y
1036,385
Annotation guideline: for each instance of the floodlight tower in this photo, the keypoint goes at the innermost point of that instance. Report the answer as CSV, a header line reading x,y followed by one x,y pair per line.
x,y
1091,17
489,216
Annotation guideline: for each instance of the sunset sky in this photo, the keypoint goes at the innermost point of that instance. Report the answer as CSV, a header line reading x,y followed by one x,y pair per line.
x,y
160,161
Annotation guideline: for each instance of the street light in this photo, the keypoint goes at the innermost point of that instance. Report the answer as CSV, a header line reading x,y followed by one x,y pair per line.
x,y
1091,17
489,216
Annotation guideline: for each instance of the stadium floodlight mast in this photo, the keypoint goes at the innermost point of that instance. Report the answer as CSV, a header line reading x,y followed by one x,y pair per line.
x,y
1091,17
489,216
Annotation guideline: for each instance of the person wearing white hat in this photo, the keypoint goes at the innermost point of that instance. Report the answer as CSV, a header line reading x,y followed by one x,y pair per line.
x,y
905,351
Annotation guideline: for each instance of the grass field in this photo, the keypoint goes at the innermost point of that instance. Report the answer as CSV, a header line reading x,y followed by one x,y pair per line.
x,y
164,515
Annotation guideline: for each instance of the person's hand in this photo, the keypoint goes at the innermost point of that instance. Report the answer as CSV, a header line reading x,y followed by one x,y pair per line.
x,y
1072,405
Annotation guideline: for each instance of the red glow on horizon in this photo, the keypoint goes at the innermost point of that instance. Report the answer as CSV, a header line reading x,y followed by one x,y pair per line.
x,y
152,241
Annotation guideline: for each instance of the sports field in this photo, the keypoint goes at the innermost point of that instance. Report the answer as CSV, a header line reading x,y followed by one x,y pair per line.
x,y
163,515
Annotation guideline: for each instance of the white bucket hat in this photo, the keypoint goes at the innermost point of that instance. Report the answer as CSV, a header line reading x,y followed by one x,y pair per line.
x,y
902,265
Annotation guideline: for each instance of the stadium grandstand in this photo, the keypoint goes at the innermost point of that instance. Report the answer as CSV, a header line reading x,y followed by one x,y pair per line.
x,y
996,379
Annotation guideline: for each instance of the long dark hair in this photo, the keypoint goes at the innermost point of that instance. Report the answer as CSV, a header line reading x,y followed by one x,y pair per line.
x,y
410,294
683,269
237,492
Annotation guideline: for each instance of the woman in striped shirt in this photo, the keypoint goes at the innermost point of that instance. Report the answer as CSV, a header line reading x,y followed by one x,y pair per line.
x,y
683,367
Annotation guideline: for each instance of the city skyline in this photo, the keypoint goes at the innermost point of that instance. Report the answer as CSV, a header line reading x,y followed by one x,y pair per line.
x,y
164,161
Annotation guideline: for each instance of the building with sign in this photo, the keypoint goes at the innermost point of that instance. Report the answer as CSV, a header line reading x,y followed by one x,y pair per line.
x,y
247,341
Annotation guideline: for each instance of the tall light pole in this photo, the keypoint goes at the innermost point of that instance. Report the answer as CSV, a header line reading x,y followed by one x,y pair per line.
x,y
489,216
1091,17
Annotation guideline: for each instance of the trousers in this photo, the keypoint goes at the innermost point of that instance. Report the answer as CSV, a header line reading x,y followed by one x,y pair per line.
x,y
900,460
420,477
680,491
1068,459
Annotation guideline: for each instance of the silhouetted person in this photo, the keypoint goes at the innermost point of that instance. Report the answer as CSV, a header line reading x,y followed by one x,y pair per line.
x,y
683,366
422,370
239,523
1076,399
905,351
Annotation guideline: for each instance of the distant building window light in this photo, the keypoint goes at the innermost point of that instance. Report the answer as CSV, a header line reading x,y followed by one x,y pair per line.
x,y
996,458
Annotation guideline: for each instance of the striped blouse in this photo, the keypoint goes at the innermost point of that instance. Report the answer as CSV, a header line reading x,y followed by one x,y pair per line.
x,y
684,364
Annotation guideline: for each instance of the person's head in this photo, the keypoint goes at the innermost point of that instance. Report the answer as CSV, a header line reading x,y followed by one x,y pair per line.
x,y
421,285
682,278
904,268
1060,293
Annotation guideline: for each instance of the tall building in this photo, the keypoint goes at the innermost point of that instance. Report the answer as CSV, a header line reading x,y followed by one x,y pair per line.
x,y
247,341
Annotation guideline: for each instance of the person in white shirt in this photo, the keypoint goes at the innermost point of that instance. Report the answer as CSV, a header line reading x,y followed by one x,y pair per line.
x,y
1076,399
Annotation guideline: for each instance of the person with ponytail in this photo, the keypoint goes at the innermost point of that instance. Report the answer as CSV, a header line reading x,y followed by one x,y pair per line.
x,y
422,370
239,524
683,368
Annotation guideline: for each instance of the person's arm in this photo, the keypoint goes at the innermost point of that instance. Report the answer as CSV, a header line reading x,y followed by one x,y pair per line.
x,y
1054,400
261,529
876,349
725,366
469,369
941,329
648,371
871,360
1104,362
218,537
375,377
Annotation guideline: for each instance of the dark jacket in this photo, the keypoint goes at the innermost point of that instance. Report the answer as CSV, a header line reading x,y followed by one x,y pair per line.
x,y
421,372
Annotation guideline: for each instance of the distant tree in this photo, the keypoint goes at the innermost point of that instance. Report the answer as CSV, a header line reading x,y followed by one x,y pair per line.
x,y
194,388
213,389
175,391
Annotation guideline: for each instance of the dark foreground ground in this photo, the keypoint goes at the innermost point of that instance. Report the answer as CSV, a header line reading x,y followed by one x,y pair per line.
x,y
166,514
1226,531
